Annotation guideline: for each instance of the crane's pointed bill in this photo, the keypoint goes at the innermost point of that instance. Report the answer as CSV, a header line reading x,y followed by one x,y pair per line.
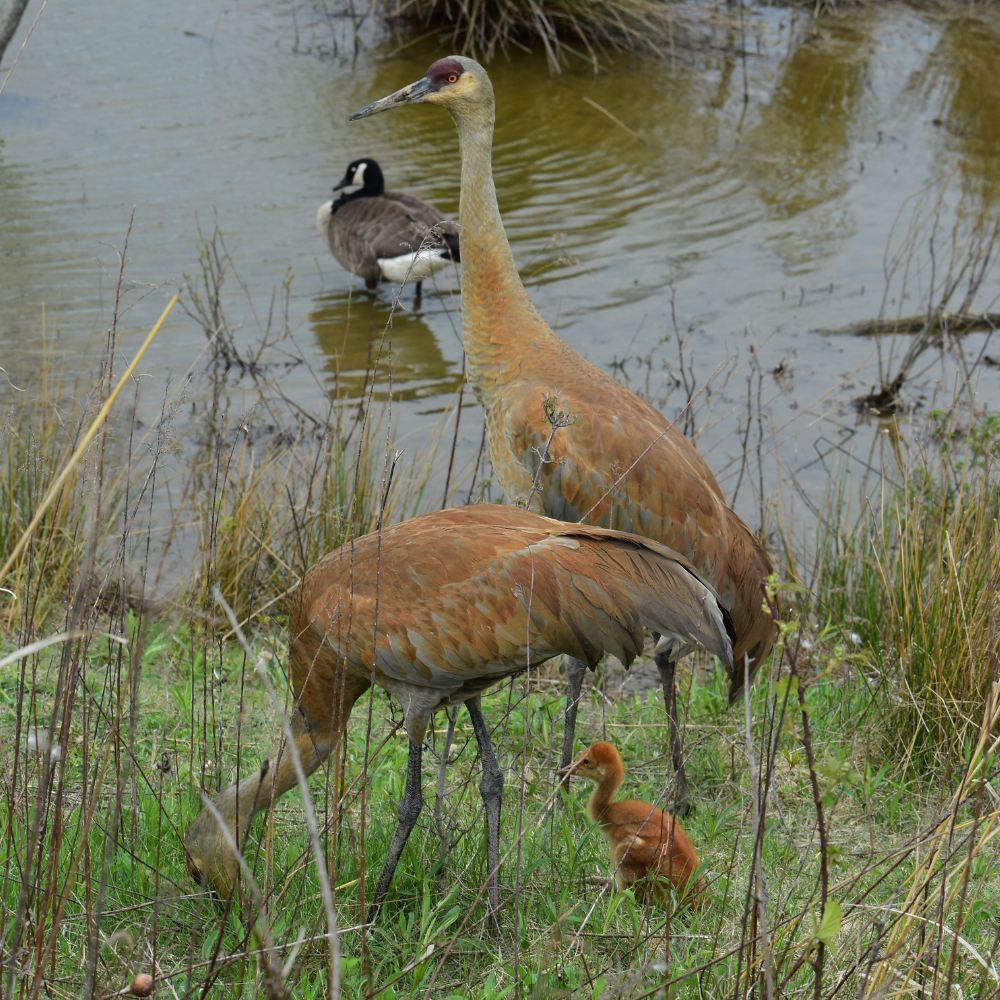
x,y
413,94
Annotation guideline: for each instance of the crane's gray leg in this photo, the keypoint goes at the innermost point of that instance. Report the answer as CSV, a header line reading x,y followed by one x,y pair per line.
x,y
575,669
667,666
491,789
406,816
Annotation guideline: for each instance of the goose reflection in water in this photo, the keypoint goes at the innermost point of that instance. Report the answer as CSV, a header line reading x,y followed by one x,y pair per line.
x,y
349,332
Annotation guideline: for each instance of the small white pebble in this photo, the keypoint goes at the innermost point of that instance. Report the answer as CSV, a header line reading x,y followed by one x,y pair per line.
x,y
806,644
855,638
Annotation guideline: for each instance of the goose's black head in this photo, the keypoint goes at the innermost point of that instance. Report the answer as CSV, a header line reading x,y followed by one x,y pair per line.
x,y
366,176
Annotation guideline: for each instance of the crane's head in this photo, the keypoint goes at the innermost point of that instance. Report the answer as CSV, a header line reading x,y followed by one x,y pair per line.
x,y
598,763
457,83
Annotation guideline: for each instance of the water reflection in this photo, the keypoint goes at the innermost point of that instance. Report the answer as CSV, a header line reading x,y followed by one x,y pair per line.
x,y
22,251
961,74
349,331
803,140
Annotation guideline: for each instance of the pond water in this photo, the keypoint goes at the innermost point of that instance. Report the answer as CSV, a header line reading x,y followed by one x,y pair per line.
x,y
752,207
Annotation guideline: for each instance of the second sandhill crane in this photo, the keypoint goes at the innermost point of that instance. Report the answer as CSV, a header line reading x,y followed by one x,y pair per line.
x,y
621,464
385,235
646,844
437,609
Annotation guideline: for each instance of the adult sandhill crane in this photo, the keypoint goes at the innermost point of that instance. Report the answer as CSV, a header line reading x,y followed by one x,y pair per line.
x,y
439,608
622,464
645,843
379,234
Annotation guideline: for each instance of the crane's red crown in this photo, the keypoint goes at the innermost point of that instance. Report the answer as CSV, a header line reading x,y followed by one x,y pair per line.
x,y
444,72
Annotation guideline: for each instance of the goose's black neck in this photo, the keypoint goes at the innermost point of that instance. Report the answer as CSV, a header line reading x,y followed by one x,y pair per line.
x,y
368,174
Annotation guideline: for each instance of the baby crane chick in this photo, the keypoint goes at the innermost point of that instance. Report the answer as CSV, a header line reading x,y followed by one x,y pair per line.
x,y
644,841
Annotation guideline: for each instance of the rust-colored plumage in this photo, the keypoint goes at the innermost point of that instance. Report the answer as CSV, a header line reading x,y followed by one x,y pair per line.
x,y
621,464
463,598
646,843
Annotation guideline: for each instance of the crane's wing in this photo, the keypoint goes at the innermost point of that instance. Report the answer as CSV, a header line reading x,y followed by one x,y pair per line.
x,y
629,468
465,597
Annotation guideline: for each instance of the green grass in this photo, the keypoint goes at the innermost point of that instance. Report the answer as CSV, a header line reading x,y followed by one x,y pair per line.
x,y
913,578
573,938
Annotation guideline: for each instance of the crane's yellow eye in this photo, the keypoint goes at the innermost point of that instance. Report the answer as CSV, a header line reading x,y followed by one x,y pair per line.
x,y
452,78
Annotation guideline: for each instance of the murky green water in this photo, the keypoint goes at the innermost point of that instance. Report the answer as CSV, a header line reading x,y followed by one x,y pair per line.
x,y
763,220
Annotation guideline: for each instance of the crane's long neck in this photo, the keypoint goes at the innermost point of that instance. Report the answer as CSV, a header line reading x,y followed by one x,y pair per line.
x,y
602,795
500,324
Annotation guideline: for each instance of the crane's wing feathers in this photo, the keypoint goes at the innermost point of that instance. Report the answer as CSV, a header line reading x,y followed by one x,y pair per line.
x,y
467,596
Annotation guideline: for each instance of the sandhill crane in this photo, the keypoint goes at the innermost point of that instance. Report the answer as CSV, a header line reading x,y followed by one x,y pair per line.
x,y
379,234
645,843
622,464
437,609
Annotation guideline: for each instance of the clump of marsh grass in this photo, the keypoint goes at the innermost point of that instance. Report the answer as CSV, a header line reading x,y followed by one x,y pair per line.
x,y
911,583
581,28
35,442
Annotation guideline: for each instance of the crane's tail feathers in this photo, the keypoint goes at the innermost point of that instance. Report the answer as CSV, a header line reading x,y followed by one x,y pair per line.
x,y
684,609
623,583
700,621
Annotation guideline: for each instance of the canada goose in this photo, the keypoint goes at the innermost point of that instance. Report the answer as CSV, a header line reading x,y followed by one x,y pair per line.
x,y
436,610
381,234
622,464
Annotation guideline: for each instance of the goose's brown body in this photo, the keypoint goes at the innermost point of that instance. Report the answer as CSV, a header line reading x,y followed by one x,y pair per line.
x,y
363,231
646,843
438,608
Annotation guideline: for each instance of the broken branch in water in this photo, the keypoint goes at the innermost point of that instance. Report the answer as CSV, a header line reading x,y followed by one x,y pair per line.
x,y
946,322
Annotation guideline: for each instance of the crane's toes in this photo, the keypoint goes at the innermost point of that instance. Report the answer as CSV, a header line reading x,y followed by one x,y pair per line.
x,y
209,860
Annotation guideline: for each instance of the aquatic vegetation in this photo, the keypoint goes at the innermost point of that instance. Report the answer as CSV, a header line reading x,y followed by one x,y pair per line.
x,y
581,28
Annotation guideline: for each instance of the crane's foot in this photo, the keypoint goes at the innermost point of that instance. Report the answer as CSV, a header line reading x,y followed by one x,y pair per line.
x,y
682,807
575,670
